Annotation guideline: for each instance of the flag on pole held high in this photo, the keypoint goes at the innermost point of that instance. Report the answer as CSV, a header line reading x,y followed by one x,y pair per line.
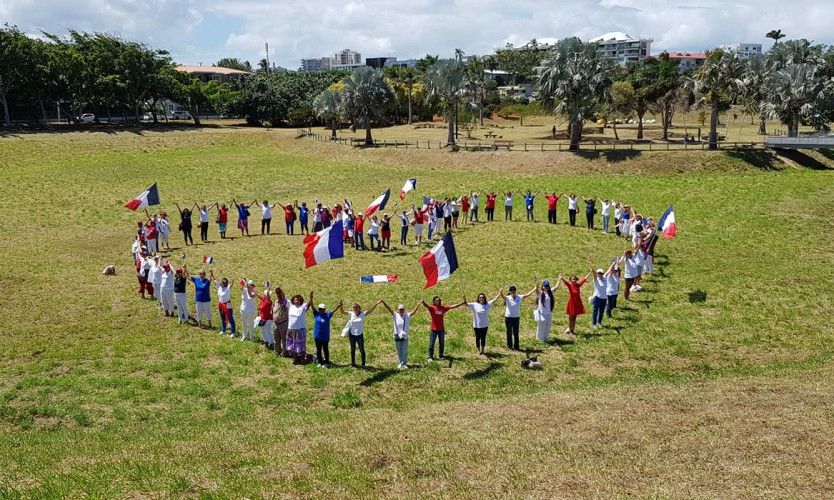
x,y
440,262
378,204
668,227
410,185
324,245
148,197
379,278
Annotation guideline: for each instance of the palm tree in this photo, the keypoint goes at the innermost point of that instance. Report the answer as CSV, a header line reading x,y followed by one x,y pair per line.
x,y
328,107
445,80
476,86
263,65
776,35
751,90
367,96
794,92
234,63
718,79
573,80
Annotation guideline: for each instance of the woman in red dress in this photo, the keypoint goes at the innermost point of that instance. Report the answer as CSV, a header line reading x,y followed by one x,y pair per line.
x,y
575,305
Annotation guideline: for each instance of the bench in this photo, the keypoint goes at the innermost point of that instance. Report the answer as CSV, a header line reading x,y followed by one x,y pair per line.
x,y
502,143
478,147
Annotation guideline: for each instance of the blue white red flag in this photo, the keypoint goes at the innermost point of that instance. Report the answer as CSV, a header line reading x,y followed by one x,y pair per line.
x,y
148,197
440,262
410,185
667,224
324,245
378,204
379,278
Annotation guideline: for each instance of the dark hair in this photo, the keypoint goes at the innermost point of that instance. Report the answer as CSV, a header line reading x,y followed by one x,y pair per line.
x,y
297,296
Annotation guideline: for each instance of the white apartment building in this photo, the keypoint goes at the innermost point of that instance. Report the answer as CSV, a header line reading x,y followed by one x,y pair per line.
x,y
345,59
316,64
744,50
622,47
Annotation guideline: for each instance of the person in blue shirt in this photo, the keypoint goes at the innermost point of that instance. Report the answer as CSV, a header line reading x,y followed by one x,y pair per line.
x,y
321,332
529,198
243,216
202,295
303,217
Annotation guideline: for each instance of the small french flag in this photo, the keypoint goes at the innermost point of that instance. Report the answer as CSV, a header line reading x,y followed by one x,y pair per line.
x,y
207,259
148,197
667,224
379,278
378,204
410,185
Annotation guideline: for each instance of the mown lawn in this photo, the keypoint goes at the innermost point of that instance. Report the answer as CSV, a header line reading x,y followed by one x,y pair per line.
x,y
100,394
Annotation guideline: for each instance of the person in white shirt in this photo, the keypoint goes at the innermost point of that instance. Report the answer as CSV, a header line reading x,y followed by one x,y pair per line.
x,y
297,327
224,307
606,215
166,289
473,209
480,319
543,314
136,248
572,209
355,330
600,296
632,270
512,314
247,310
266,216
402,324
447,215
373,234
163,229
204,221
155,276
618,218
508,205
612,288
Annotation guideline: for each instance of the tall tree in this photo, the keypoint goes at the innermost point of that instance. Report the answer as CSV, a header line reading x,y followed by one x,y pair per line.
x,y
234,63
719,78
776,35
619,103
794,92
367,96
328,107
751,90
15,50
666,85
574,80
445,81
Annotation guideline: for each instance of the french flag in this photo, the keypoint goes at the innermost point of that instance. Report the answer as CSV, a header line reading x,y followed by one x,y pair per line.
x,y
148,197
440,262
410,185
378,204
379,278
324,245
667,225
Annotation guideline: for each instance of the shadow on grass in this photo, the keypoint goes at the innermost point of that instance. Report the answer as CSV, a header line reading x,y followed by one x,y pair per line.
x,y
483,372
697,297
802,159
757,158
109,128
495,355
380,376
609,156
828,153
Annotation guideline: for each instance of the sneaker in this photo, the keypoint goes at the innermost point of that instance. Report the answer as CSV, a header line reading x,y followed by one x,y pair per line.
x,y
638,287
405,367
430,360
567,331
400,366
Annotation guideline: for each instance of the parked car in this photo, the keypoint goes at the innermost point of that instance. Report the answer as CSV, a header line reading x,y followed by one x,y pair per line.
x,y
181,115
87,118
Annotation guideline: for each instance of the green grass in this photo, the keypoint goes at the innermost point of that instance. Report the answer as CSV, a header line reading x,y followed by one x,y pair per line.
x,y
100,394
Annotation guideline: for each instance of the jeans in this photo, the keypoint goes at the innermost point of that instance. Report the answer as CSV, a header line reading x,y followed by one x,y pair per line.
x,y
572,216
490,214
231,320
357,340
508,213
551,216
610,305
589,216
404,236
303,227
360,240
480,338
530,213
436,335
512,332
598,310
473,214
447,223
375,237
605,222
402,351
323,352
204,231
265,225
290,225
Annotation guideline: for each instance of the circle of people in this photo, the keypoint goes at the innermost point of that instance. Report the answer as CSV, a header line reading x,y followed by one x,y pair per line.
x,y
280,321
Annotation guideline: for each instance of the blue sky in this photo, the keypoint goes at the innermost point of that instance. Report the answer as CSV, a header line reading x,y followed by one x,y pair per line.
x,y
202,31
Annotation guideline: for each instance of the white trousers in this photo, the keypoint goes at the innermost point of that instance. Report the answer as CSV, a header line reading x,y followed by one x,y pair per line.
x,y
151,246
543,325
167,299
648,264
247,319
182,307
266,332
203,311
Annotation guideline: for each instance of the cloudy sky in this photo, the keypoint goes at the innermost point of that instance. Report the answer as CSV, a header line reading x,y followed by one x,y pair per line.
x,y
202,31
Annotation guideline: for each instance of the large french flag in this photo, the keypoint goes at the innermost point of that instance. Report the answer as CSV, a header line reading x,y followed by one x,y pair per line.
x,y
668,227
410,184
379,278
148,197
378,204
440,262
324,245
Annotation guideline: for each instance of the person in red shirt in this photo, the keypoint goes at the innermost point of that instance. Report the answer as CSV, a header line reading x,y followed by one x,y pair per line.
x,y
552,200
464,207
358,231
222,220
419,220
490,206
437,312
289,217
575,305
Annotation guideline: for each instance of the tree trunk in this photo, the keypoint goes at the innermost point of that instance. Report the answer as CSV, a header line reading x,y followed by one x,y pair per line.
x,y
640,124
409,105
153,112
450,137
575,135
7,119
136,111
333,129
614,126
195,114
43,111
369,141
455,121
762,126
713,125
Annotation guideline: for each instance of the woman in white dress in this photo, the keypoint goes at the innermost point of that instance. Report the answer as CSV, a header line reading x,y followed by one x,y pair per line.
x,y
247,310
543,314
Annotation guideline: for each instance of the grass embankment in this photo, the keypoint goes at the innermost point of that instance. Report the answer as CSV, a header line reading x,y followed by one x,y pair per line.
x,y
101,394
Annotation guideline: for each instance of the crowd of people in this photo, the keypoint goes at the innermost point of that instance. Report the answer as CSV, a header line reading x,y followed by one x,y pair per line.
x,y
279,322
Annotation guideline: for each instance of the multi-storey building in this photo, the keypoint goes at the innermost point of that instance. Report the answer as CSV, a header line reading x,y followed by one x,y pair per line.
x,y
622,47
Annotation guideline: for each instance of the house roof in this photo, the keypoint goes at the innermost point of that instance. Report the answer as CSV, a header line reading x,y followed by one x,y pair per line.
x,y
687,55
216,70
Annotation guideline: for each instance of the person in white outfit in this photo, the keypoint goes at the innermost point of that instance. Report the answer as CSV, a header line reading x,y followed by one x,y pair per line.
x,y
247,310
166,289
480,319
180,281
163,229
155,277
402,324
543,314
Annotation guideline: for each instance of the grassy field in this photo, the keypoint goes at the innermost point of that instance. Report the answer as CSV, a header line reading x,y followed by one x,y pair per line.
x,y
715,381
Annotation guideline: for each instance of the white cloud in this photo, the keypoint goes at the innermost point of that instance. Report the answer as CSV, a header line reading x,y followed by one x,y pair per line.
x,y
205,30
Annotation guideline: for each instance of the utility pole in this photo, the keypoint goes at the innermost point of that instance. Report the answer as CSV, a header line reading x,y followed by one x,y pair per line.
x,y
266,44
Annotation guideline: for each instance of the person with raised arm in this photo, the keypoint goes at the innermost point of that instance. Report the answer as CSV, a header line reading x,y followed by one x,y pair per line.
x,y
600,296
204,221
303,217
612,287
356,330
297,327
575,305
473,213
247,309
404,223
225,309
420,217
572,209
289,217
529,199
385,232
185,223
166,289
512,314
509,201
606,214
242,216
265,318
321,332
180,282
437,328
544,311
480,319
490,205
266,215
590,211
222,219
552,205
280,322
632,262
202,295
402,324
